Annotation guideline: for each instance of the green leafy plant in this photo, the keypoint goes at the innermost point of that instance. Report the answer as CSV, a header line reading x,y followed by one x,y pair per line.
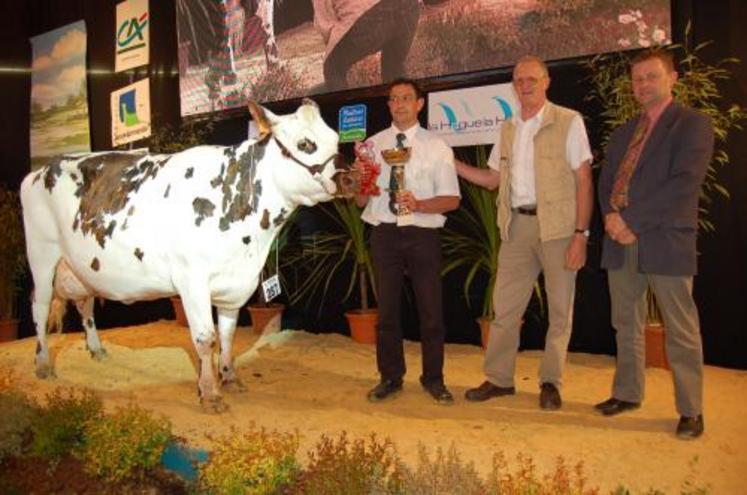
x,y
59,428
471,239
324,254
697,87
445,474
18,413
353,467
125,444
12,253
255,462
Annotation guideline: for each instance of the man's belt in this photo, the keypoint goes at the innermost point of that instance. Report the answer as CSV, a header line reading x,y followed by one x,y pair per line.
x,y
525,210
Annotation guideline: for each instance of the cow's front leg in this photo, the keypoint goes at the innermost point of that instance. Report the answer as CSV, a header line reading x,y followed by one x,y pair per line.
x,y
93,344
198,312
226,327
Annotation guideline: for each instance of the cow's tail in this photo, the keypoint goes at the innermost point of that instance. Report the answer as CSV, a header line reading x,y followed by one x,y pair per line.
x,y
57,310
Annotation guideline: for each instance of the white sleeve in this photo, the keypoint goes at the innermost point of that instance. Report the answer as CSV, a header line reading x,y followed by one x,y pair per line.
x,y
494,160
447,182
577,145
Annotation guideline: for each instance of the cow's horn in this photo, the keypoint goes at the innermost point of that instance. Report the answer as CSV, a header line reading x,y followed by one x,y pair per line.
x,y
264,128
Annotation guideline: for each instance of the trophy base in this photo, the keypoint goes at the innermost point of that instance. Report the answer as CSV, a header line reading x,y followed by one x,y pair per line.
x,y
405,220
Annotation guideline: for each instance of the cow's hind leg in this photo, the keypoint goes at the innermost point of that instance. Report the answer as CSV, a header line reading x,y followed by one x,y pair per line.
x,y
41,300
202,329
226,327
93,344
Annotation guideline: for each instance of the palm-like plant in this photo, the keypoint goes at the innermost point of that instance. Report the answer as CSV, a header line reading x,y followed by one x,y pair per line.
x,y
321,256
471,239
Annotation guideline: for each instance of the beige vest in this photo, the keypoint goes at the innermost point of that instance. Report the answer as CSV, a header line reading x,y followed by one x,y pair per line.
x,y
555,181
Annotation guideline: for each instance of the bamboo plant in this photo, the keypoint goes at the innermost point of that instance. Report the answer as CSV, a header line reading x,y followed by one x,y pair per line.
x,y
12,253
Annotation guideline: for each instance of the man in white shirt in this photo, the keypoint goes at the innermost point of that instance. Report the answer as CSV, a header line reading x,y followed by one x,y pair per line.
x,y
431,189
542,163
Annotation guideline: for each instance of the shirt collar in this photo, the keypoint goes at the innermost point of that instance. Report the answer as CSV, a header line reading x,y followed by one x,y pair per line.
x,y
410,133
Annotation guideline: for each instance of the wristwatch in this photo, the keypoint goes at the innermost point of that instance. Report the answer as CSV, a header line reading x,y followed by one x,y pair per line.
x,y
583,232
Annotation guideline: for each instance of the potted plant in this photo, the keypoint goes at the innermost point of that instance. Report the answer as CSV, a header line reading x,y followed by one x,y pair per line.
x,y
343,247
471,241
697,87
12,261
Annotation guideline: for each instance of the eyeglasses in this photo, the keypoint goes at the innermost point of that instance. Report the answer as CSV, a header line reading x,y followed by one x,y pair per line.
x,y
402,99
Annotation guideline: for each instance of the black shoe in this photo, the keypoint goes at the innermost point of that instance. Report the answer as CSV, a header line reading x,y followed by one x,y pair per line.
x,y
690,428
487,390
550,397
439,392
612,406
386,389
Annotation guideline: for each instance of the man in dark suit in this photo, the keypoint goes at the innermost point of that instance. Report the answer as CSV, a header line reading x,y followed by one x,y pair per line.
x,y
648,193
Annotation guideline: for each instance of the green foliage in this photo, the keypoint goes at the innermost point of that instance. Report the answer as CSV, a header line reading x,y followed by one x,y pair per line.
x,y
168,138
125,444
18,413
12,253
446,474
351,467
697,87
59,428
323,255
471,239
256,462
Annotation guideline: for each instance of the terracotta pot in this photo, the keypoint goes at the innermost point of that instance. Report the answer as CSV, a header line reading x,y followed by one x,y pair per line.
x,y
179,315
484,323
363,325
266,318
656,353
8,330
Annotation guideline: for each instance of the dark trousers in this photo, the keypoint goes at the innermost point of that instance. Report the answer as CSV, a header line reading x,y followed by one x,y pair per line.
x,y
389,27
417,252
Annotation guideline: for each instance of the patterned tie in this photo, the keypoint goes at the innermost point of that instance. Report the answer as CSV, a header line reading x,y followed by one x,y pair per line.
x,y
619,196
393,185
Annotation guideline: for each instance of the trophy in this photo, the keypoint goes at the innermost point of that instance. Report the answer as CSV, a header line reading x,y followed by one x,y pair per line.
x,y
396,158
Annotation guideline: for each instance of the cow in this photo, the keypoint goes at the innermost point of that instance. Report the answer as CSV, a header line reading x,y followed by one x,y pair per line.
x,y
130,226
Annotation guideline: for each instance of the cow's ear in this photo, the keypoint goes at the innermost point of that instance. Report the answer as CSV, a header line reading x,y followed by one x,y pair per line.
x,y
259,116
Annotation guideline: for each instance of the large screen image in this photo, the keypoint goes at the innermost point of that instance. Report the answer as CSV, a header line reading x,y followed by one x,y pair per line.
x,y
271,50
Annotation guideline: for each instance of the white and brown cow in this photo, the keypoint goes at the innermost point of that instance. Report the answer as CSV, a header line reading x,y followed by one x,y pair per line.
x,y
131,226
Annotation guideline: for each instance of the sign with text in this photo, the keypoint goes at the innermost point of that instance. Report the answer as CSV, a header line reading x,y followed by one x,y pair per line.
x,y
131,112
470,116
132,35
352,123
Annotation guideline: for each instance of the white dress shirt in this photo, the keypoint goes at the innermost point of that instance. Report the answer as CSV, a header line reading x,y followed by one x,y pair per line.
x,y
577,151
429,173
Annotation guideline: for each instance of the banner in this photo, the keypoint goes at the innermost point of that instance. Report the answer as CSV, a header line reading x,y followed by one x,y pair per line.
x,y
132,43
352,123
466,117
59,96
131,113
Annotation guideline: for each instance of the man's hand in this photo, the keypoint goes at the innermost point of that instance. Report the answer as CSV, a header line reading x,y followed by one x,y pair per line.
x,y
618,230
575,255
625,237
407,200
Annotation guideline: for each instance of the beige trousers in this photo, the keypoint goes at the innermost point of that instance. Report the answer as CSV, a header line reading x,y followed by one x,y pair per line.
x,y
683,342
520,261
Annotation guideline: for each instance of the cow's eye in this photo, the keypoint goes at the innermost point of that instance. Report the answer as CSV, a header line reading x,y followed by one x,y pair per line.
x,y
307,146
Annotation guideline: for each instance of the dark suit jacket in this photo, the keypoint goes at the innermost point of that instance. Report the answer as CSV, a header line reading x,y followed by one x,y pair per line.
x,y
663,193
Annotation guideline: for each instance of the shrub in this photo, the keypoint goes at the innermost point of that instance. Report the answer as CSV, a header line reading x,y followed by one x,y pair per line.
x,y
18,413
525,479
125,444
352,467
255,462
58,429
446,474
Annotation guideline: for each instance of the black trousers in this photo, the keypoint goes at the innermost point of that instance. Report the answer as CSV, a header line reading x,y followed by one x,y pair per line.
x,y
417,252
389,27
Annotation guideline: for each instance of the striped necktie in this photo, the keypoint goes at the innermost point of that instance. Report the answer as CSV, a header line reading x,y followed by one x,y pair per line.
x,y
619,196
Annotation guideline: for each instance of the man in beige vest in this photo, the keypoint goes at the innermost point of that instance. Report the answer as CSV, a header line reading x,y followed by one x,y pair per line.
x,y
542,163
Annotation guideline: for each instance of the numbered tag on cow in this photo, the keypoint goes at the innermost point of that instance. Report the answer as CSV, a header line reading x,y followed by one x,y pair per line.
x,y
271,288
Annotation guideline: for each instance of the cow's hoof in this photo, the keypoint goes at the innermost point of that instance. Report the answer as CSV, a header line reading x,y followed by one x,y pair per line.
x,y
214,405
235,386
99,355
45,371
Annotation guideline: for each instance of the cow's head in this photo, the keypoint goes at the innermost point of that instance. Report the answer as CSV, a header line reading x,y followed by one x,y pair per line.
x,y
315,172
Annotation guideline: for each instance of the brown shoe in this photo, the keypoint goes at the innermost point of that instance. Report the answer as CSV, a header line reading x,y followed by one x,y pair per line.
x,y
550,397
486,391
